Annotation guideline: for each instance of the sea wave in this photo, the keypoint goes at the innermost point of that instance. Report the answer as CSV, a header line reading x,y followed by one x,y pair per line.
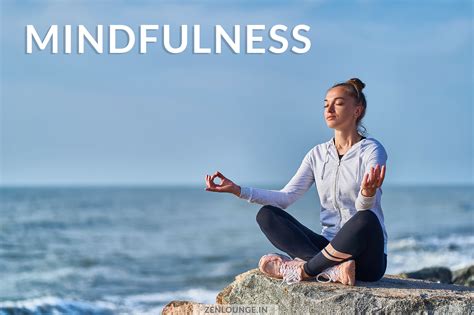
x,y
146,303
436,243
54,305
411,253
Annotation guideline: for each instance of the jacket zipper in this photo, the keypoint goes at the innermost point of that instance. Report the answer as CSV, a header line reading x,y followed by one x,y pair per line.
x,y
335,193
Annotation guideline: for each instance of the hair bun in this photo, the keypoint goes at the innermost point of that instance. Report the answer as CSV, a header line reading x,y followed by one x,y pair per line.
x,y
358,84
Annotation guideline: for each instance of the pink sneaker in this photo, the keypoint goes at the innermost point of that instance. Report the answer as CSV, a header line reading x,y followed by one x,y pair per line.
x,y
269,264
343,273
282,267
292,271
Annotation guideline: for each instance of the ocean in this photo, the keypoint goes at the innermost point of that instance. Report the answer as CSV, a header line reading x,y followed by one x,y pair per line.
x,y
131,250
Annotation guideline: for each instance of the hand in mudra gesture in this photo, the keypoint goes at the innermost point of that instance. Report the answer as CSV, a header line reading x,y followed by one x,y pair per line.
x,y
226,184
372,180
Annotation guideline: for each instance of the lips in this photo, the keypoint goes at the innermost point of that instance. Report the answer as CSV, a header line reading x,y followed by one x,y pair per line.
x,y
331,117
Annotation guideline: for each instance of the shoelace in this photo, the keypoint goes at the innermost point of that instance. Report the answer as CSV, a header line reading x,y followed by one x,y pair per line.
x,y
291,273
331,273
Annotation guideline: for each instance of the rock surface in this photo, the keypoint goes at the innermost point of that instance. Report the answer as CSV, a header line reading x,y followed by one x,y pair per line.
x,y
391,294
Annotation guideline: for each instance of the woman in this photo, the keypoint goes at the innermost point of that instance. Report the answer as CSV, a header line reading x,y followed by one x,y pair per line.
x,y
348,171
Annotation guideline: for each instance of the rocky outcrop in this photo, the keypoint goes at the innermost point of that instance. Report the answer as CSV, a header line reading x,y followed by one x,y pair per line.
x,y
464,276
180,308
391,294
434,274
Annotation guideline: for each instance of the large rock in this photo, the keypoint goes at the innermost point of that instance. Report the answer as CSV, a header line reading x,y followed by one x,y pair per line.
x,y
391,294
435,274
464,276
178,308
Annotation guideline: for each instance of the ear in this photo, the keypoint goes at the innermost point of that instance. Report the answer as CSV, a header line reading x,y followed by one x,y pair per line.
x,y
358,110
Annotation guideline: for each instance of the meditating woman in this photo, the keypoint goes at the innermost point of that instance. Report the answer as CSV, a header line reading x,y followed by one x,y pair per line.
x,y
348,171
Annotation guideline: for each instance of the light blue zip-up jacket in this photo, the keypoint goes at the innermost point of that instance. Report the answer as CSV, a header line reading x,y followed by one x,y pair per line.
x,y
337,181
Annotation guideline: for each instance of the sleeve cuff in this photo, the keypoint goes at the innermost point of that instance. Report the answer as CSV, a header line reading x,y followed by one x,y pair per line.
x,y
365,203
245,193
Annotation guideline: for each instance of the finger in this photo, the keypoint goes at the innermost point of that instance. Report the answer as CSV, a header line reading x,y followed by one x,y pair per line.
x,y
368,179
213,177
373,179
209,182
382,176
219,174
371,175
377,174
365,180
212,180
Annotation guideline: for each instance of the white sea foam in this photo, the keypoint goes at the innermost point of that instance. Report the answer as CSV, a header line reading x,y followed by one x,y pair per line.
x,y
438,242
45,275
147,303
55,303
412,253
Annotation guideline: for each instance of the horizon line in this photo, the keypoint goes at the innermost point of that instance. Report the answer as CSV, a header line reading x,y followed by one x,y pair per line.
x,y
195,185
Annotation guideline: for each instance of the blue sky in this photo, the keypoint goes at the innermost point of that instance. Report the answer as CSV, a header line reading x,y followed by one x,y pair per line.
x,y
171,119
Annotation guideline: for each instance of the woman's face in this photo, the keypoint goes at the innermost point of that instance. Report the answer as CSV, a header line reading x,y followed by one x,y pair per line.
x,y
340,109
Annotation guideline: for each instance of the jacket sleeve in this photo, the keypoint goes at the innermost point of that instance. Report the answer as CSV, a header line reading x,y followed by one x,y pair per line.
x,y
296,187
377,156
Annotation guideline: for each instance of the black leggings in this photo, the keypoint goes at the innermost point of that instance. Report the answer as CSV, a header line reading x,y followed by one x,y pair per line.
x,y
361,236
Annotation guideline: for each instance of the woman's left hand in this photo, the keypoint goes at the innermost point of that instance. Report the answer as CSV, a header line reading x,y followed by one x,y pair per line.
x,y
372,181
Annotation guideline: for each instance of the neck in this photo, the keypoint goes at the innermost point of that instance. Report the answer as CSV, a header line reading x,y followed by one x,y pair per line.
x,y
346,139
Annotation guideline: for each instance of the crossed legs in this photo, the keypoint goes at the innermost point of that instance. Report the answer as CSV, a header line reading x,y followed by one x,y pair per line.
x,y
289,235
360,239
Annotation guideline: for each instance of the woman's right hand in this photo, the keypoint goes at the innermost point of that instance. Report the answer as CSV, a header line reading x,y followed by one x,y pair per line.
x,y
372,180
226,184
